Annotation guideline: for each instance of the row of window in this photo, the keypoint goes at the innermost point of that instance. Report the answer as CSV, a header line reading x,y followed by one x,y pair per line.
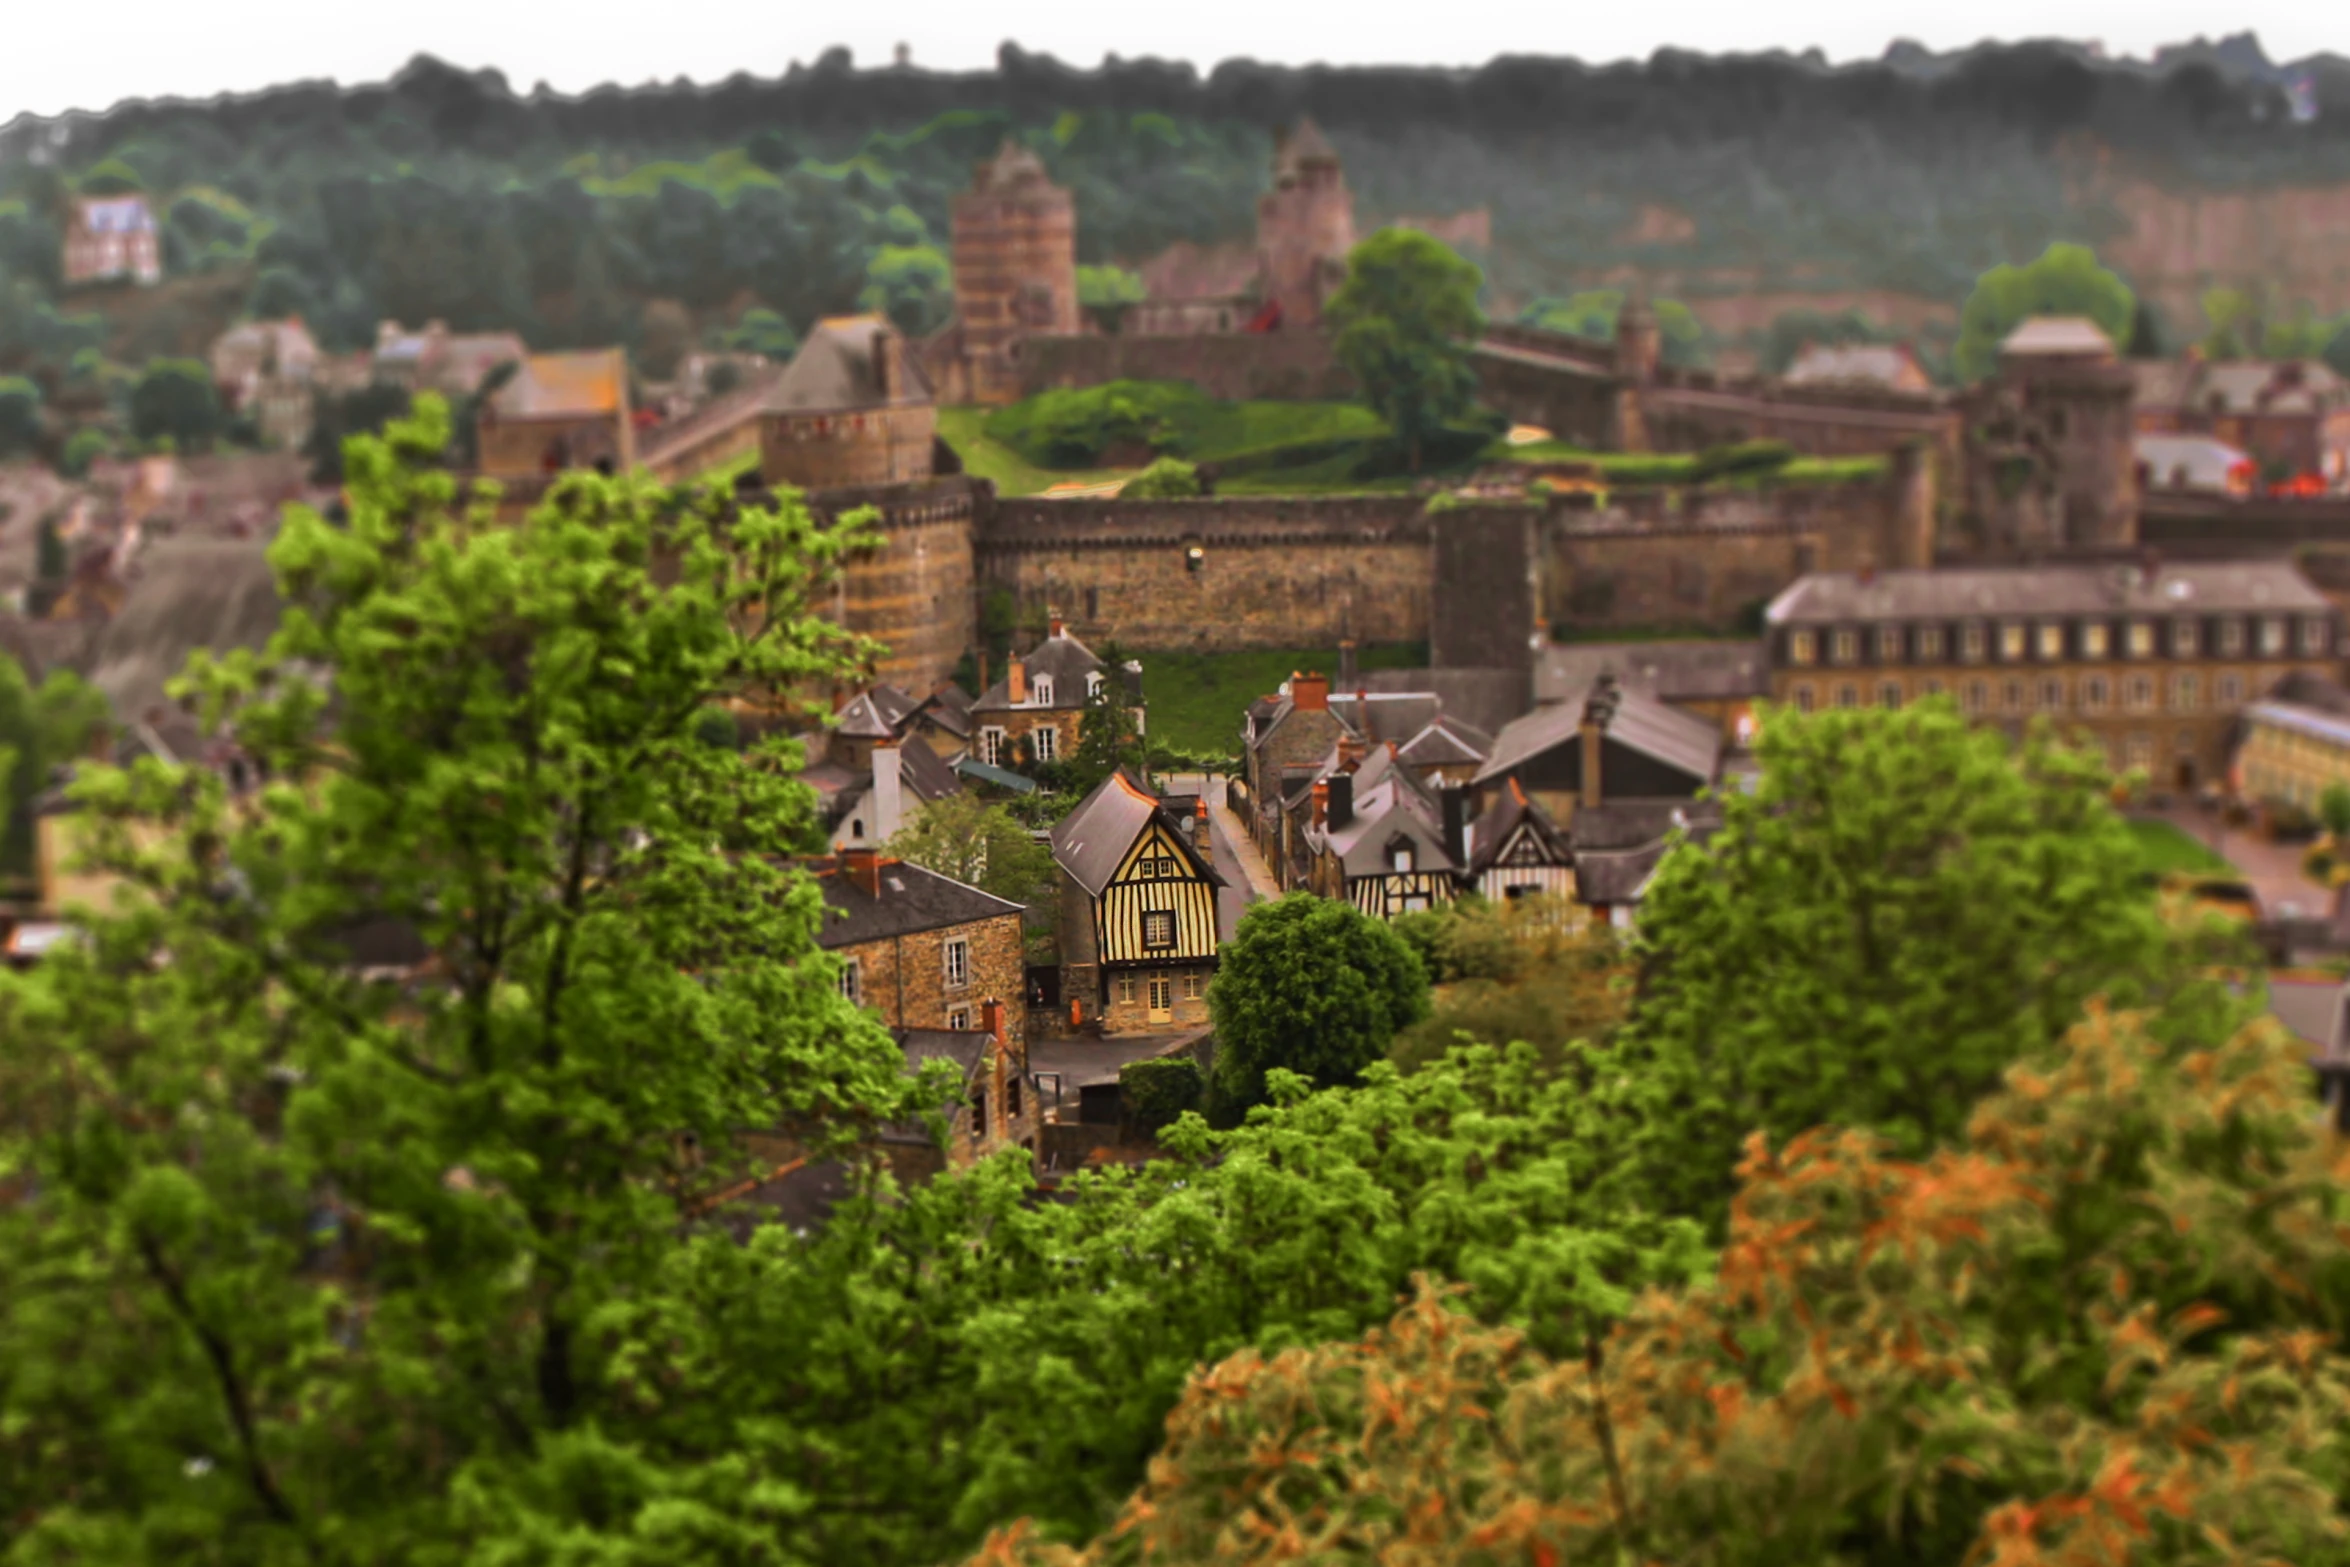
x,y
995,745
954,962
2055,641
1159,990
2047,694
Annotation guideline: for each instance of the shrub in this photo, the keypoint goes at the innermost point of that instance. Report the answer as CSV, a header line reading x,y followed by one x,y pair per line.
x,y
1168,479
1072,429
82,448
1159,1091
1742,459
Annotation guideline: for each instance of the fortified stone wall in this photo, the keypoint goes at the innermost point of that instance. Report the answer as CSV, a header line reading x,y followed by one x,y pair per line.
x,y
1268,573
916,593
1234,365
889,445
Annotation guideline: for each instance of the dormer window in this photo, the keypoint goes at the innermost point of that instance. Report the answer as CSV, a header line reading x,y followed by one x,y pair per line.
x,y
1093,686
1399,858
1041,690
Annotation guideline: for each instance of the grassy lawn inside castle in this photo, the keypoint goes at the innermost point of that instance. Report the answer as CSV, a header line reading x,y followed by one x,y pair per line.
x,y
1197,701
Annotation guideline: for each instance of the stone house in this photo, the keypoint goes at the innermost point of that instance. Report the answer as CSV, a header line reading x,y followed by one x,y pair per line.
x,y
1373,835
559,411
435,359
2152,661
2292,416
1036,712
1514,850
2296,744
110,239
1138,933
919,949
267,371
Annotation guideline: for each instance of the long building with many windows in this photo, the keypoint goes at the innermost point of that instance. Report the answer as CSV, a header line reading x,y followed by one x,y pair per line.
x,y
2155,661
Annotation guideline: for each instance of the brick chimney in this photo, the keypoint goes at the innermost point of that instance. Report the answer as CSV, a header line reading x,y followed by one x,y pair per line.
x,y
1060,628
1309,693
1321,799
1340,797
1350,752
863,866
1016,679
1598,709
1200,839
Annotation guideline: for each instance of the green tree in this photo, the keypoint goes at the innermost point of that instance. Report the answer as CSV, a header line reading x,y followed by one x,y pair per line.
x,y
1403,323
1169,478
1592,313
1308,985
338,416
40,727
2065,281
762,331
174,400
82,448
110,177
321,1266
20,415
1899,911
1107,293
2040,1346
914,285
984,845
1109,731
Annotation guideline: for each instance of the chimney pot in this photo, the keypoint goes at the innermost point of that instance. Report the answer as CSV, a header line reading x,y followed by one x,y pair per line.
x,y
1060,628
1310,693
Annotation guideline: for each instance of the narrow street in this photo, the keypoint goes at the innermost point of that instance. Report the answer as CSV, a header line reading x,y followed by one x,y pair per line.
x,y
1247,879
2273,869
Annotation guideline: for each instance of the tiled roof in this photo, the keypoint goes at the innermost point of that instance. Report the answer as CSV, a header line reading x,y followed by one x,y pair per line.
x,y
912,899
1092,840
1066,662
565,386
2170,588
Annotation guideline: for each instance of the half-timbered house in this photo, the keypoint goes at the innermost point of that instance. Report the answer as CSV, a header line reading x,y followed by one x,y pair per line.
x,y
1378,841
1138,912
1515,850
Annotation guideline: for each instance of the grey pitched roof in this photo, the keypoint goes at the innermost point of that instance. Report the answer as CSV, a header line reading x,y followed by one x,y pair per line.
x,y
1067,662
834,370
1689,671
1446,742
1390,808
926,774
1386,715
1510,810
874,714
1485,699
949,707
1091,841
994,777
965,1047
2168,588
188,593
1678,739
912,899
1619,846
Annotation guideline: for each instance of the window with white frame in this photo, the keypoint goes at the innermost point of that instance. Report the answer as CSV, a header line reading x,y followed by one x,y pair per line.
x,y
2095,638
955,960
1929,642
2052,694
1970,643
1193,987
1888,644
2093,694
1044,742
2139,753
1126,988
2011,641
1803,647
2272,637
959,1019
1399,859
991,746
2051,637
2141,642
2231,638
852,980
1040,690
2138,693
1978,696
2186,692
1158,928
1845,646
2185,637
1093,686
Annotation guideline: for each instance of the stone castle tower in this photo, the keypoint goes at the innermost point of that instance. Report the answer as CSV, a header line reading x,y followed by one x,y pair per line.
x,y
2052,456
1305,226
1015,257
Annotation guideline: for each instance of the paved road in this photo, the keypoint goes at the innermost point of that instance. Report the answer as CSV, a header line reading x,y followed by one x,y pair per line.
x,y
1246,877
2273,869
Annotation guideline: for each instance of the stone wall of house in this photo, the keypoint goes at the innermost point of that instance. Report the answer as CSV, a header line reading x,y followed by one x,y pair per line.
x,y
1221,364
1270,572
903,978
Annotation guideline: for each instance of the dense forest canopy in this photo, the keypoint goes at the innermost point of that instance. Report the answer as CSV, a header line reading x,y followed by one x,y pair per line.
x,y
446,194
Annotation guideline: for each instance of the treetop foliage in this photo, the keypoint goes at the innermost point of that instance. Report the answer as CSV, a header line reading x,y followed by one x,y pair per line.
x,y
2066,280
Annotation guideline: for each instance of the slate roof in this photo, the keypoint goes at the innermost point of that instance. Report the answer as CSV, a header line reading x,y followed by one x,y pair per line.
x,y
565,386
1390,807
994,777
965,1047
1067,661
1446,742
1826,598
187,593
1091,841
912,899
1618,846
834,370
1510,810
1641,722
2332,728
874,714
2058,337
1691,671
949,707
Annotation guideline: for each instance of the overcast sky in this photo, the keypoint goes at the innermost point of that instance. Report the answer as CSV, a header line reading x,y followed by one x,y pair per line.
x,y
59,56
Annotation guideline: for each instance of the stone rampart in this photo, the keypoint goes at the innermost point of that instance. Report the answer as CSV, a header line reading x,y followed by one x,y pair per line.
x,y
1236,365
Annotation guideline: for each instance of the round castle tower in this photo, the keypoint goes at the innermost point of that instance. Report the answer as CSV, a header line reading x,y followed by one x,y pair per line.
x,y
1305,226
1015,257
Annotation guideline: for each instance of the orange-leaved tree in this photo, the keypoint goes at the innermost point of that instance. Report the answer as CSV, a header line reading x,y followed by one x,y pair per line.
x,y
2101,1331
